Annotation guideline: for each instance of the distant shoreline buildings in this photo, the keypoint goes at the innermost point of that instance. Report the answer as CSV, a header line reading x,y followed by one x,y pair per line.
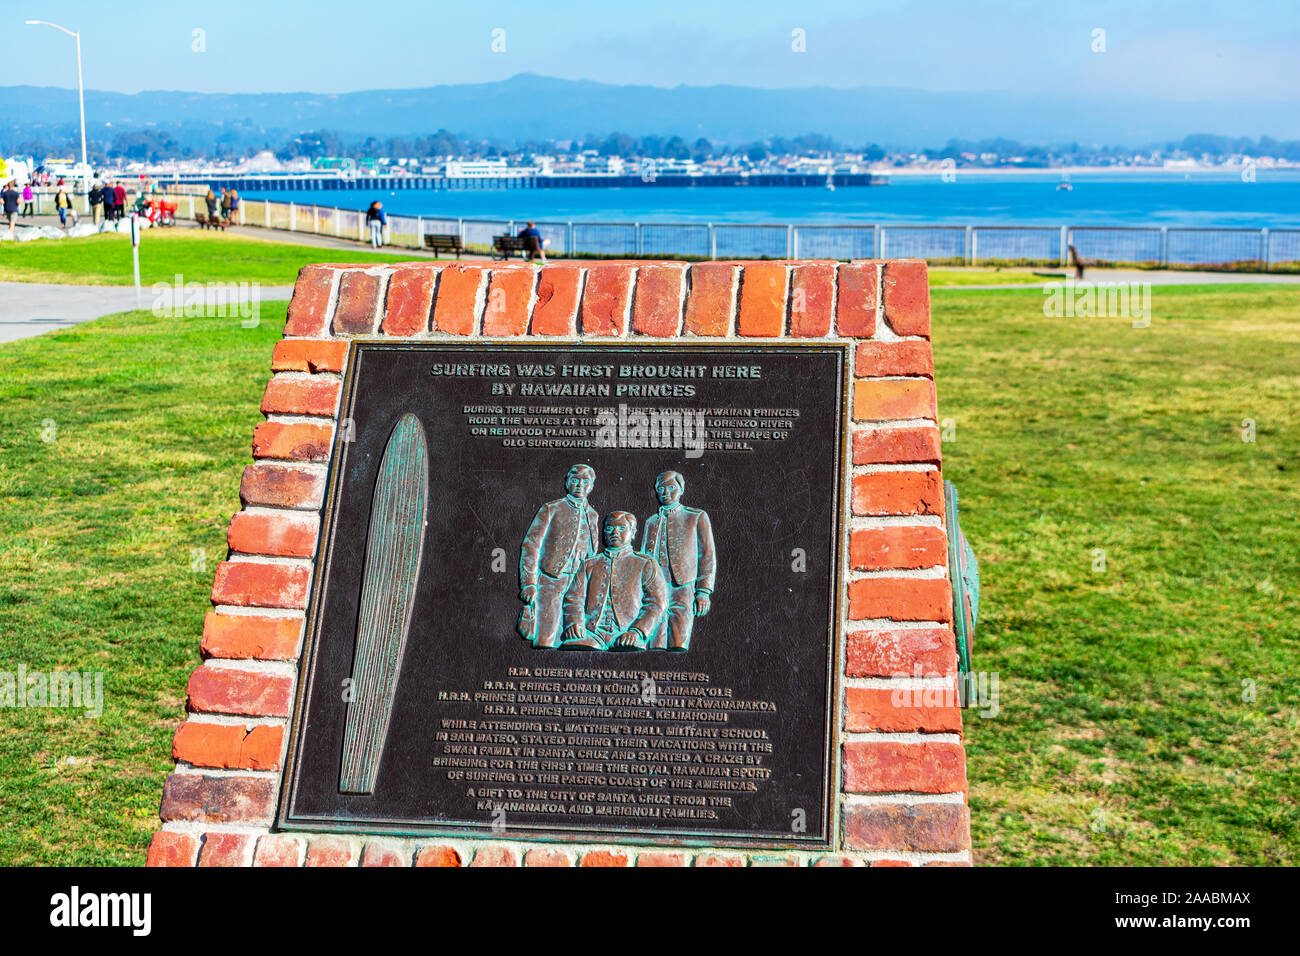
x,y
591,170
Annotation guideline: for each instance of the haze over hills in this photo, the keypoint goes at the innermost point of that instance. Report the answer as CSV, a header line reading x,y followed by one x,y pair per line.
x,y
534,107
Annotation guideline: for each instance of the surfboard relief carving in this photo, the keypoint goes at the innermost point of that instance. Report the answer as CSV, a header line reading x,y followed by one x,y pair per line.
x,y
586,587
394,548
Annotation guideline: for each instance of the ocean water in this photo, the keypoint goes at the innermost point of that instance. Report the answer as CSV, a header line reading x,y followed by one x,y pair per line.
x,y
1123,199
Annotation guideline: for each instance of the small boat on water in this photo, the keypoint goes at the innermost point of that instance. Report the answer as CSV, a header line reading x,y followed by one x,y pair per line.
x,y
1064,187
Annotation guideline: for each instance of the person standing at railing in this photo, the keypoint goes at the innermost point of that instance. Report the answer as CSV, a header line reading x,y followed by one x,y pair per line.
x,y
234,204
211,201
225,205
376,219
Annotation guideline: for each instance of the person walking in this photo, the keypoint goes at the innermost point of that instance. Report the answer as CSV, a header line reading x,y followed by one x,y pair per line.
x,y
63,203
119,199
9,196
28,195
96,198
376,219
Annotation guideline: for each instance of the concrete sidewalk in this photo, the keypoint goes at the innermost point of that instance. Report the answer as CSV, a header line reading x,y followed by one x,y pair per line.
x,y
1127,276
29,308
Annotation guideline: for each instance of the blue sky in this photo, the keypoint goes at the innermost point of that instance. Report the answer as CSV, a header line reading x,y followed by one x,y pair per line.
x,y
1191,49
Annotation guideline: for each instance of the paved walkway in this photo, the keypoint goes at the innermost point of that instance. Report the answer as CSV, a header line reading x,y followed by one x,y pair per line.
x,y
30,308
1154,276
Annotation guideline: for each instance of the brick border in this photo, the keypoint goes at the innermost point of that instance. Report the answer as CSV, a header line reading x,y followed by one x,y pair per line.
x,y
901,780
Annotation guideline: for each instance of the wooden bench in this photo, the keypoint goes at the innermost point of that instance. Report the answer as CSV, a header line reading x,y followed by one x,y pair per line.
x,y
504,245
209,223
441,243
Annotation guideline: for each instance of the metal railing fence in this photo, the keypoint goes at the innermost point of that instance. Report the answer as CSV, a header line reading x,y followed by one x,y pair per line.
x,y
1140,246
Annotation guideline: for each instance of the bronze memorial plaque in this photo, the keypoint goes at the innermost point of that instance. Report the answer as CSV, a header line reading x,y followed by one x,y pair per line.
x,y
577,591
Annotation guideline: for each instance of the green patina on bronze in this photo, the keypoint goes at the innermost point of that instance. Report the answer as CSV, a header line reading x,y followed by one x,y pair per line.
x,y
964,575
394,546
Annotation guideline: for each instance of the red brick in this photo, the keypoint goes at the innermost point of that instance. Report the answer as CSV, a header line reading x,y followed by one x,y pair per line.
x,y
231,690
901,599
909,357
509,298
301,441
812,289
282,486
279,535
658,306
201,799
889,446
541,856
358,302
495,856
855,309
914,652
556,309
278,849
604,858
308,309
330,851
228,746
299,396
409,299
897,546
456,308
907,297
922,828
898,493
261,584
719,859
890,863
606,299
249,636
382,854
882,399
437,856
172,849
888,767
226,849
712,298
660,858
309,355
762,300
905,710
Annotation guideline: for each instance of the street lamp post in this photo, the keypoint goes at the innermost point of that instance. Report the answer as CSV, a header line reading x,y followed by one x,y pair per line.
x,y
81,93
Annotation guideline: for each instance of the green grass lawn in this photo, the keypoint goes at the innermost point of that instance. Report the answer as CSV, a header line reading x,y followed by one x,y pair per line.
x,y
1122,736
198,256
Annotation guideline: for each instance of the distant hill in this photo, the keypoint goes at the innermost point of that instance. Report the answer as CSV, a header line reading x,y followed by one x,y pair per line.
x,y
537,107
